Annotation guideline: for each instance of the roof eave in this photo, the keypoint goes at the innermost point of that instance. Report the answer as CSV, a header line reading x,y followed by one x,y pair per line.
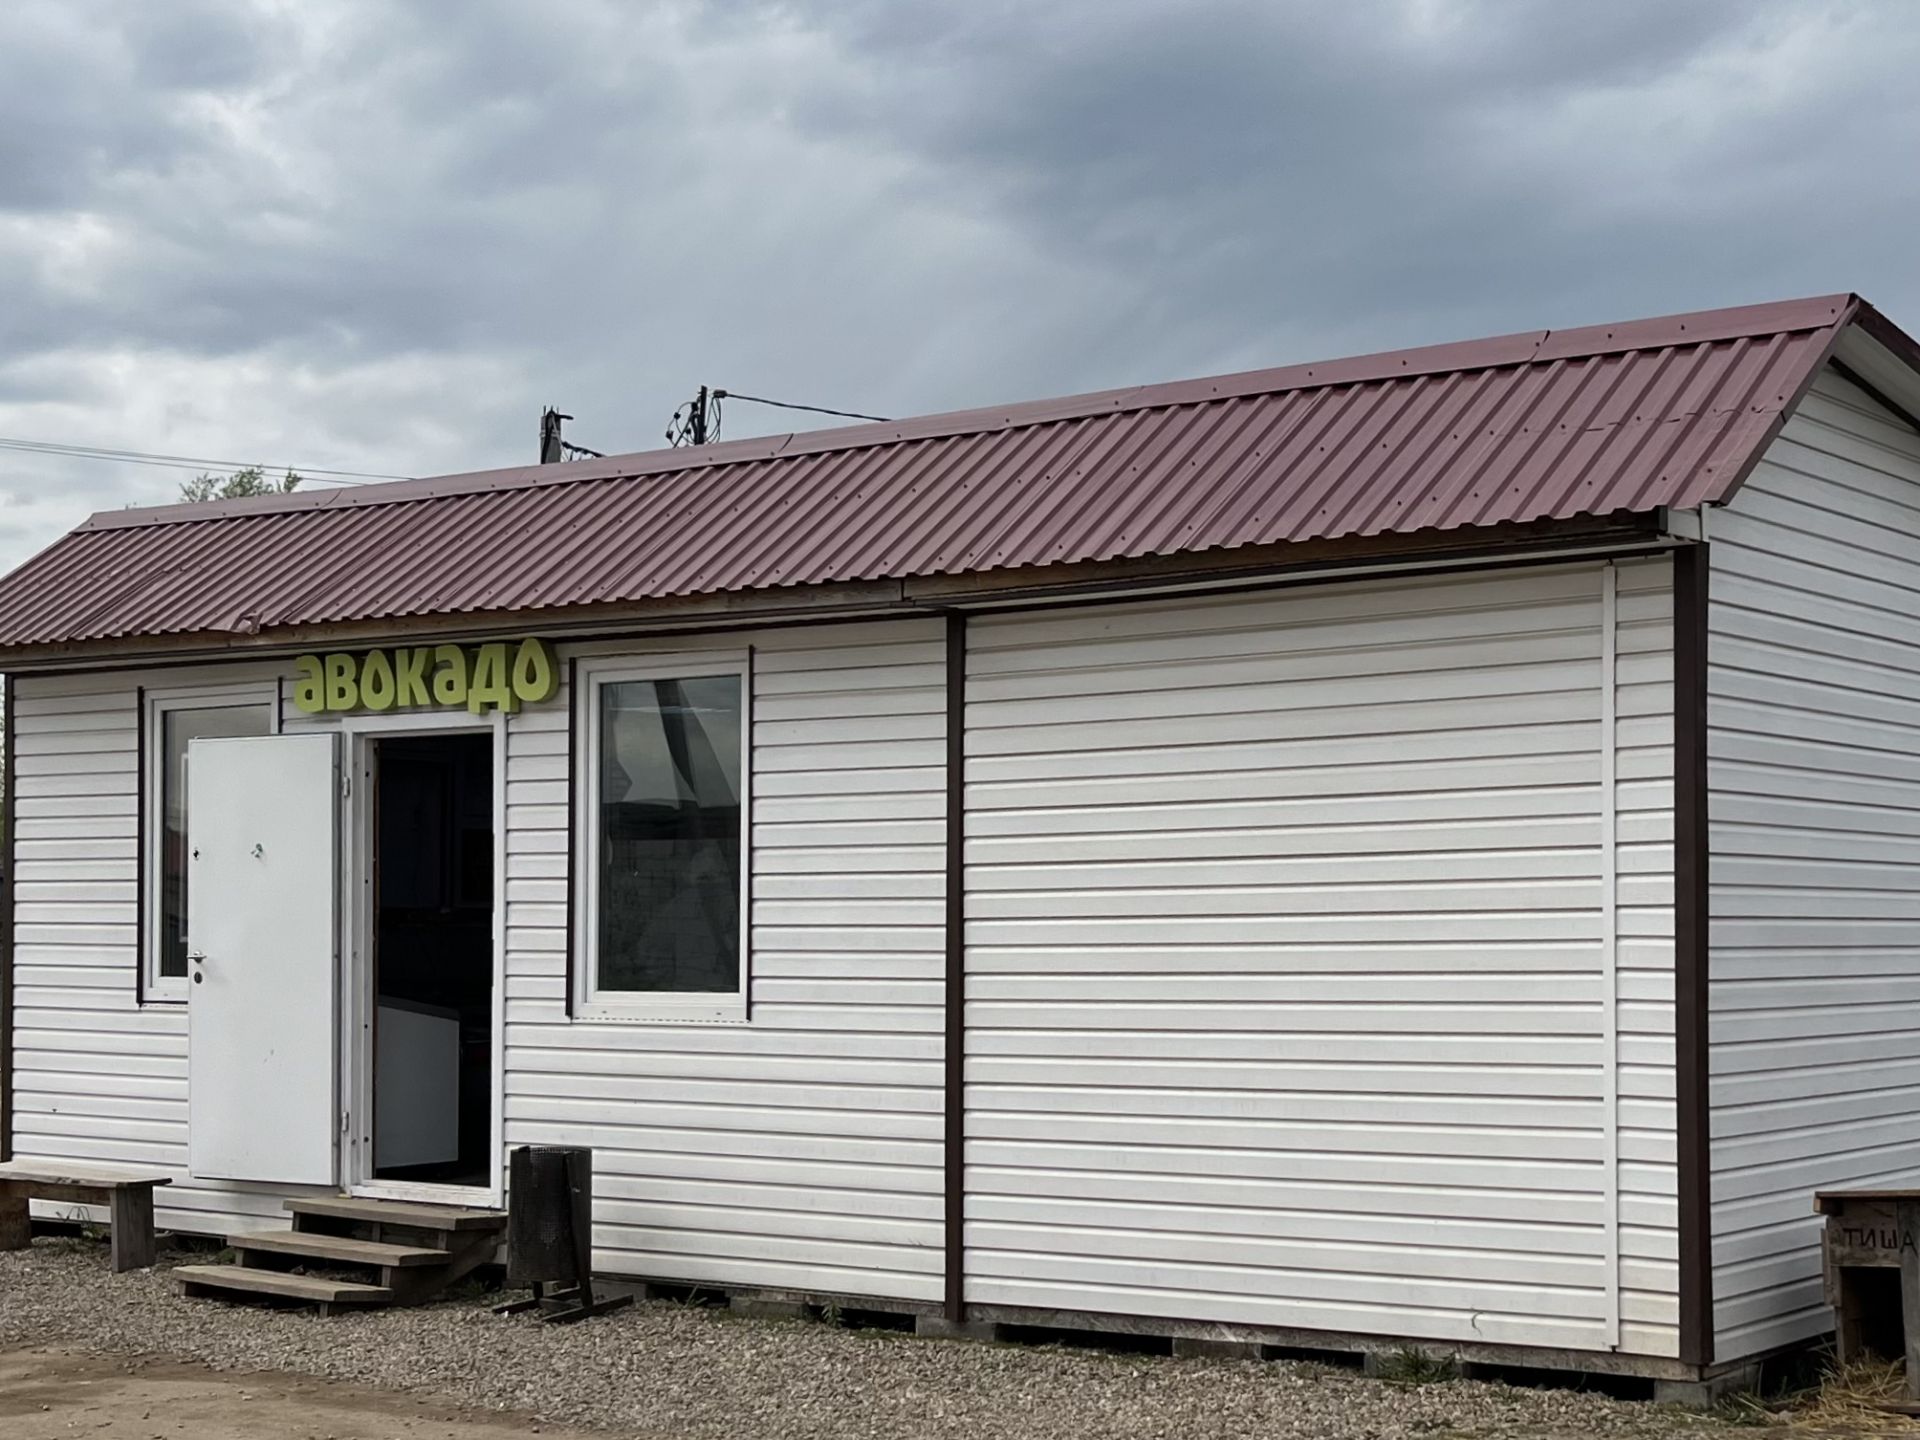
x,y
1728,485
1469,547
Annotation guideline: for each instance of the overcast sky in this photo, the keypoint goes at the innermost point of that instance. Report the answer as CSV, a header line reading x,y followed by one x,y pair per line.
x,y
380,236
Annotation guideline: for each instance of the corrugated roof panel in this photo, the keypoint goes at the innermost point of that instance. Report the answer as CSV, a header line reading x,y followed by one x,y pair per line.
x,y
1541,426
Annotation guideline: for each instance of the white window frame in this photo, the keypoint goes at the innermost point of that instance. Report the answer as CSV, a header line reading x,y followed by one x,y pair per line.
x,y
156,704
650,1006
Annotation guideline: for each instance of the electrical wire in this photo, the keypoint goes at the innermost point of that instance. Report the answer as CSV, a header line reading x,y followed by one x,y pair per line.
x,y
185,462
698,421
789,405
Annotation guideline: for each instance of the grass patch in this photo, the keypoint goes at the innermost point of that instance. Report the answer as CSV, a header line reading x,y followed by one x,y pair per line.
x,y
1850,1399
1410,1366
481,1284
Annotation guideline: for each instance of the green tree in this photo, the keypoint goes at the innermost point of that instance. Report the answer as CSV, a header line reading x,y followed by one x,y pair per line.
x,y
240,484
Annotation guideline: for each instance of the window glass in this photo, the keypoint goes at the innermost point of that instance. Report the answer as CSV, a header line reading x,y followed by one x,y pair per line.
x,y
669,835
177,727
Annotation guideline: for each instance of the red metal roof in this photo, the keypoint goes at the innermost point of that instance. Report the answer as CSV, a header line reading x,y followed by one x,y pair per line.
x,y
1542,426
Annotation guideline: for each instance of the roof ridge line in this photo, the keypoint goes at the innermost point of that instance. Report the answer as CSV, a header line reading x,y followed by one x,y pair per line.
x,y
1495,352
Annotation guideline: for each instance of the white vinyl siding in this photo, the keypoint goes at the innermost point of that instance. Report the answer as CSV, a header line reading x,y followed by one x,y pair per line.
x,y
1814,774
799,1150
1214,1071
97,1075
1288,960
803,1149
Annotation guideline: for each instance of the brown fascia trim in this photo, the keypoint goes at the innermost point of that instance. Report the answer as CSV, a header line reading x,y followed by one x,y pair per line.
x,y
1875,393
744,610
955,1131
1291,562
8,879
880,599
1692,1097
1878,327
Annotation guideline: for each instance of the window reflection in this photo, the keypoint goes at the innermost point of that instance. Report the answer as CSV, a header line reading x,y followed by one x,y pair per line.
x,y
670,835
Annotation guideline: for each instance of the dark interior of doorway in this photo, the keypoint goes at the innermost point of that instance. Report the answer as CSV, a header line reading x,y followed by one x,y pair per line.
x,y
433,959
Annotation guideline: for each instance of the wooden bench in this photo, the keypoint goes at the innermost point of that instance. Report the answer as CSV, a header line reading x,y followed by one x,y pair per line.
x,y
127,1195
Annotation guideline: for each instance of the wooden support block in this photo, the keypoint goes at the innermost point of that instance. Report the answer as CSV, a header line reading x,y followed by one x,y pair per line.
x,y
1191,1347
16,1221
132,1213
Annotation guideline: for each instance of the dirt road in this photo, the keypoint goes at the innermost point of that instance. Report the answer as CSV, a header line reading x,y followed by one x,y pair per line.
x,y
52,1395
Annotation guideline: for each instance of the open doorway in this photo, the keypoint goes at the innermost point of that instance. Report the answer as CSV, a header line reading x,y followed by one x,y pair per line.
x,y
432,952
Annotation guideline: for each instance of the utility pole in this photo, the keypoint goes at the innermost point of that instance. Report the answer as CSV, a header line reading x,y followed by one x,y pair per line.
x,y
552,448
697,421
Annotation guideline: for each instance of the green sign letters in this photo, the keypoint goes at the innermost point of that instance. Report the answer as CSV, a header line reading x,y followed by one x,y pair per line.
x,y
479,677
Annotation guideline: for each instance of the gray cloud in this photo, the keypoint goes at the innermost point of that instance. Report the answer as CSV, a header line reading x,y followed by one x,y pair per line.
x,y
380,236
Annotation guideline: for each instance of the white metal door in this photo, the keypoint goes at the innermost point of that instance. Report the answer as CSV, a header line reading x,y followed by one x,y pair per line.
x,y
261,936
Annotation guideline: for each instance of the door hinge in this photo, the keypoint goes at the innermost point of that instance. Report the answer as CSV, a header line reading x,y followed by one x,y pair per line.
x,y
346,786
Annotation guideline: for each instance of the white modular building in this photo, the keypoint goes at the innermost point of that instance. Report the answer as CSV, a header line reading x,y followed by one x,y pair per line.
x,y
1418,849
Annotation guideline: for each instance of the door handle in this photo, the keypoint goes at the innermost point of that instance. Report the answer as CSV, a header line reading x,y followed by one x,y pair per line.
x,y
198,961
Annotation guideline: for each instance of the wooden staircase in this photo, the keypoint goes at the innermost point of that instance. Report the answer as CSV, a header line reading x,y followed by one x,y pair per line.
x,y
372,1253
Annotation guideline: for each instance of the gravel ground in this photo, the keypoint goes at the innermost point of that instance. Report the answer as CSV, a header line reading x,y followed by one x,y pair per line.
x,y
672,1370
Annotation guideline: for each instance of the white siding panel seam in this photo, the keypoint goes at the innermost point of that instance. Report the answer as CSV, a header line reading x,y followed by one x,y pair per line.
x,y
1609,942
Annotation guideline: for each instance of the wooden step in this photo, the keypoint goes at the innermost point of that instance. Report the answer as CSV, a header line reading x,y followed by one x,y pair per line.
x,y
243,1280
336,1249
398,1212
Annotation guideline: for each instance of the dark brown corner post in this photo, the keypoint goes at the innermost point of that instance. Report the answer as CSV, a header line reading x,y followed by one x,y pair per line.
x,y
141,920
956,990
573,827
1690,915
7,872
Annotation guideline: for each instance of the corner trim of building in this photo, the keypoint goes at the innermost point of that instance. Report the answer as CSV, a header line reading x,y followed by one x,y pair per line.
x,y
1692,1130
573,828
955,1134
9,785
141,919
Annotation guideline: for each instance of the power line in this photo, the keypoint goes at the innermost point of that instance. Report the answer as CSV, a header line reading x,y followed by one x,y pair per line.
x,y
182,462
698,421
789,405
185,462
